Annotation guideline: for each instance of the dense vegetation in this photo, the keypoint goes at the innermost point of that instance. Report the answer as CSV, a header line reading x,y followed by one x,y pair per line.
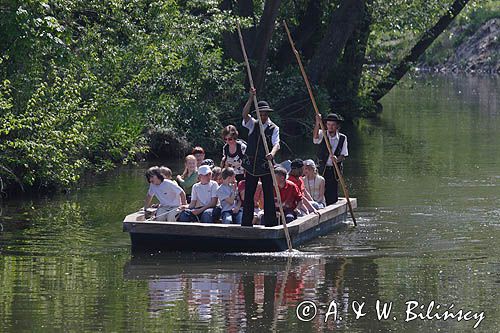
x,y
88,84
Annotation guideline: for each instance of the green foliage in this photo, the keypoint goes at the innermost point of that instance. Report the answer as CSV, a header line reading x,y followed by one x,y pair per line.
x,y
474,15
83,82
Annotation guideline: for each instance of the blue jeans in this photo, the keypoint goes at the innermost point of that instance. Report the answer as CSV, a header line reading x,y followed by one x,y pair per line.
x,y
317,205
208,216
228,217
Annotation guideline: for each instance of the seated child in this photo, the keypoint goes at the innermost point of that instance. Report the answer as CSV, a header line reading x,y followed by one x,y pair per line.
x,y
258,200
171,197
295,175
167,173
203,199
291,198
229,198
315,184
216,174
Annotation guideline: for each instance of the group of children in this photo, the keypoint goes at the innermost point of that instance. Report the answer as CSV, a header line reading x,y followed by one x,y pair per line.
x,y
208,193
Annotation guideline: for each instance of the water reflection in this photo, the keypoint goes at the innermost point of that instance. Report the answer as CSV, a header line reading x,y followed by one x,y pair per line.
x,y
426,176
248,294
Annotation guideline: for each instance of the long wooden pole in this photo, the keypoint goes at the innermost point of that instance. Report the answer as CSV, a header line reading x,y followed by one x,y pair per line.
x,y
264,141
325,135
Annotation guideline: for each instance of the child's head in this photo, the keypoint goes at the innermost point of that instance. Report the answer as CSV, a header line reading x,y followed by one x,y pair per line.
x,y
216,174
166,172
297,168
199,154
204,174
190,162
228,175
154,176
280,175
310,168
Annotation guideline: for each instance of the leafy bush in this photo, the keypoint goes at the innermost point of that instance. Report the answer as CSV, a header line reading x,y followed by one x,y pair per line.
x,y
82,83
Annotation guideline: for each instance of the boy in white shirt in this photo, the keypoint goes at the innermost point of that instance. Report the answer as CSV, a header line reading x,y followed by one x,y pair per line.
x,y
170,195
203,199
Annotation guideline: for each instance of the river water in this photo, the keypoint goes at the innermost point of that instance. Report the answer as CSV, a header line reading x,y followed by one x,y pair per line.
x,y
427,178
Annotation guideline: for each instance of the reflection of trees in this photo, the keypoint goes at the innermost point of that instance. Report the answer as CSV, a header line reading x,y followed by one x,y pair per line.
x,y
52,273
441,127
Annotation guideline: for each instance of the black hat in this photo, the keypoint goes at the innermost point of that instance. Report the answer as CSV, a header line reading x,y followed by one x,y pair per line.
x,y
264,106
208,162
297,163
333,117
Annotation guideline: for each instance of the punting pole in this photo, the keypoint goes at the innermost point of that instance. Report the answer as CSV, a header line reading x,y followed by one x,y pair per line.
x,y
306,80
261,127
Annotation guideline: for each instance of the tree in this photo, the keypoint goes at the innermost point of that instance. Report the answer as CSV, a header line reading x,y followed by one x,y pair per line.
x,y
338,45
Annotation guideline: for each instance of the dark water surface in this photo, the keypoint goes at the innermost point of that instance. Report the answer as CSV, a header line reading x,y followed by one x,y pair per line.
x,y
427,179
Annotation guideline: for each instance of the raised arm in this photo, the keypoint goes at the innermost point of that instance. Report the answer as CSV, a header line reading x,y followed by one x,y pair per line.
x,y
316,127
246,109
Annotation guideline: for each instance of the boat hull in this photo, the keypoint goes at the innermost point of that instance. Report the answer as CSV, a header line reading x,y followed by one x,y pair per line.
x,y
208,237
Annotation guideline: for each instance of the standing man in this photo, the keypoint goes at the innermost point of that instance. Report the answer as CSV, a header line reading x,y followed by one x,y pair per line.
x,y
256,164
338,143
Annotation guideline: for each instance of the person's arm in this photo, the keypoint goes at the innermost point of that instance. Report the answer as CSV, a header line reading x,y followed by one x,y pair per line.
x,y
316,127
322,188
211,204
147,201
224,196
307,195
184,204
194,198
344,152
246,109
238,206
275,140
301,207
192,204
308,205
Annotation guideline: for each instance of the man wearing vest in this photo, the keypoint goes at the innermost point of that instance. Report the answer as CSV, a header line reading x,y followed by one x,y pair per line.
x,y
338,142
255,162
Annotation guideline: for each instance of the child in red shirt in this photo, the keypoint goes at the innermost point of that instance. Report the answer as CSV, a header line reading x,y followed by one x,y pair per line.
x,y
295,176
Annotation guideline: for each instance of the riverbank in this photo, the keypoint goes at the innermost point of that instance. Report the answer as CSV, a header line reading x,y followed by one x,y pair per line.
x,y
470,45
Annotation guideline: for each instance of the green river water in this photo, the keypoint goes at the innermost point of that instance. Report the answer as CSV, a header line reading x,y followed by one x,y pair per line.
x,y
427,178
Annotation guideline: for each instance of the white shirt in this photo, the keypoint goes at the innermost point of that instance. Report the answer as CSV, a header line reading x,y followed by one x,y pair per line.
x,y
252,122
334,141
167,193
203,193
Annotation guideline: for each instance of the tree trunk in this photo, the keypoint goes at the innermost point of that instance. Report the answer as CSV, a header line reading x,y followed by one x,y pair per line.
x,y
262,41
425,41
344,79
232,50
306,36
343,22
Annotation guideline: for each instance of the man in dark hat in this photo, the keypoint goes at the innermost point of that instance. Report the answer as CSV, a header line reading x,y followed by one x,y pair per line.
x,y
255,161
338,143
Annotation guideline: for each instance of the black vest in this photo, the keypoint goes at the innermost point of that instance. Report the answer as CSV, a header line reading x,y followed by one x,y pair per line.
x,y
238,152
323,153
255,156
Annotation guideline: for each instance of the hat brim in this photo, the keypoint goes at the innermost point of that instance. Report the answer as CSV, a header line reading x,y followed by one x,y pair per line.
x,y
264,110
337,120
